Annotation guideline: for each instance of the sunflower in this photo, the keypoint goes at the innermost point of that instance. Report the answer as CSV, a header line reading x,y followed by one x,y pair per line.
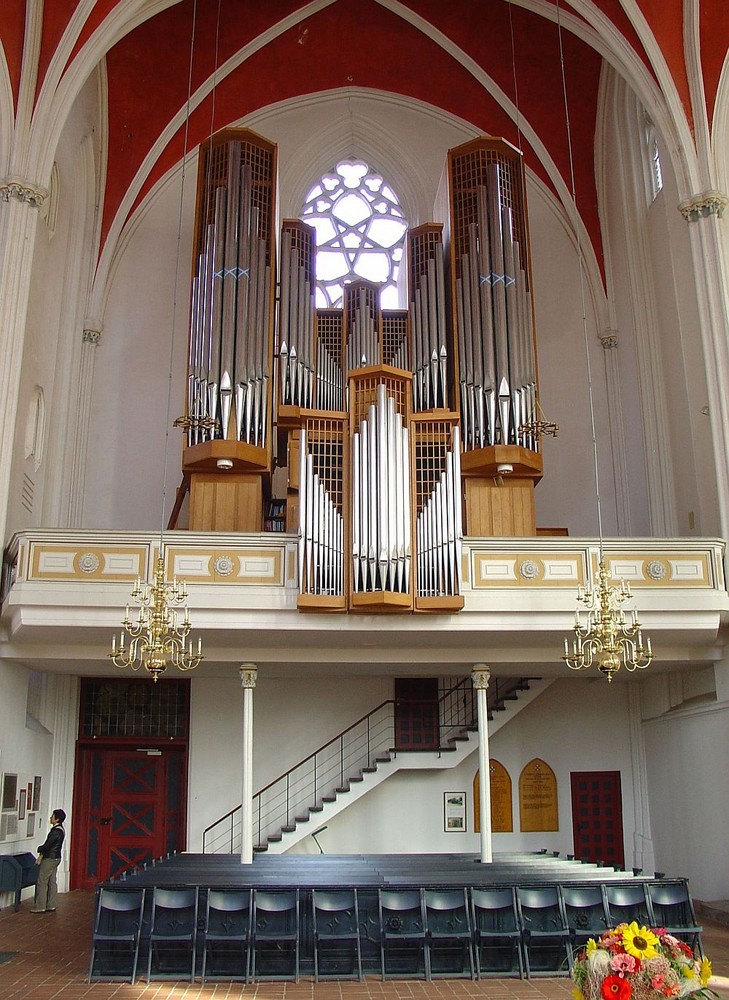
x,y
639,941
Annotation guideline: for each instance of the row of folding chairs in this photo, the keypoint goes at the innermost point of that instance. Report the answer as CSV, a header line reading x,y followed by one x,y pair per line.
x,y
256,934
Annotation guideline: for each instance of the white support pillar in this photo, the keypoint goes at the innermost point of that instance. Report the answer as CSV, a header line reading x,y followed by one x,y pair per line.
x,y
481,675
248,675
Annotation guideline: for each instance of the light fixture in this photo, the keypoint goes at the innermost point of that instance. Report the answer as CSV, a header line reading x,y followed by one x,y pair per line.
x,y
602,633
158,635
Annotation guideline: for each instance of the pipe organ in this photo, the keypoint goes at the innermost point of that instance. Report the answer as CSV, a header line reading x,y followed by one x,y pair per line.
x,y
395,429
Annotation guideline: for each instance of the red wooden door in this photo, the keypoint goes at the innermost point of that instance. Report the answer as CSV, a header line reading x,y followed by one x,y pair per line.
x,y
416,713
131,810
597,816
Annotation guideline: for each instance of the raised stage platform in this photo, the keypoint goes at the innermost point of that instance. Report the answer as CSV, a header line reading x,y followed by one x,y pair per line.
x,y
405,915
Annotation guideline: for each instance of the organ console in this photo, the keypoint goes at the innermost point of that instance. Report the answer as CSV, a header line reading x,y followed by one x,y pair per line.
x,y
397,429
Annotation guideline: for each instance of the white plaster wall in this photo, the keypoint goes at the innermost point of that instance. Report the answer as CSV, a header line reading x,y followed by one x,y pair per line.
x,y
25,752
291,719
563,382
687,751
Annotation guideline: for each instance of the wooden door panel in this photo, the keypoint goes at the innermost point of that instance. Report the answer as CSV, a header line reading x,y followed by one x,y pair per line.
x,y
416,713
597,816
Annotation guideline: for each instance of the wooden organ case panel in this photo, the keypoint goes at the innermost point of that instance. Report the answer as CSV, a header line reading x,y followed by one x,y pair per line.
x,y
493,343
228,423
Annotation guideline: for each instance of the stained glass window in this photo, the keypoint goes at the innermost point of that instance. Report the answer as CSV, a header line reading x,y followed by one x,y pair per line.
x,y
360,232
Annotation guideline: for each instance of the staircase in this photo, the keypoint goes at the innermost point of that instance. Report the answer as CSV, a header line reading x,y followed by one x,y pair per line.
x,y
349,766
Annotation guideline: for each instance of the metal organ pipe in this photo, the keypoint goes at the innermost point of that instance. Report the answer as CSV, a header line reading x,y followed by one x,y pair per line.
x,y
229,320
381,547
321,530
439,530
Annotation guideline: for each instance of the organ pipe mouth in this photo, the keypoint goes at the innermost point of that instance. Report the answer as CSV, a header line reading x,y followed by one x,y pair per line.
x,y
225,464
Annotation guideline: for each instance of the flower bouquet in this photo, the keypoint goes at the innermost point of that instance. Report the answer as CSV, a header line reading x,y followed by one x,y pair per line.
x,y
635,962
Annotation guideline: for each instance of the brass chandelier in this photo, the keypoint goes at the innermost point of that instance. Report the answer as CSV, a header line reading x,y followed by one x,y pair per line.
x,y
603,635
157,636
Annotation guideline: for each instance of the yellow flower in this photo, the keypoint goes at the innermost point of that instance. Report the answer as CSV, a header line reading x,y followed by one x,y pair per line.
x,y
591,946
577,993
705,972
639,941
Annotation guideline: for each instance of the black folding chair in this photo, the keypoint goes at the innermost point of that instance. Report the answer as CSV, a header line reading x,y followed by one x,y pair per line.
x,y
673,909
337,950
173,935
226,935
275,940
545,934
626,902
402,934
116,934
497,942
584,907
448,933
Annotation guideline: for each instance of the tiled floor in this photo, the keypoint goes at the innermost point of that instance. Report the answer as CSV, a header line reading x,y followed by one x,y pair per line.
x,y
53,954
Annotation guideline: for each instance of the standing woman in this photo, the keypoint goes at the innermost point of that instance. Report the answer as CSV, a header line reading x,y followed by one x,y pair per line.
x,y
49,858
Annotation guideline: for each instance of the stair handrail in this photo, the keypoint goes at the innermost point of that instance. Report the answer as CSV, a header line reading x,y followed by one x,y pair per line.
x,y
338,739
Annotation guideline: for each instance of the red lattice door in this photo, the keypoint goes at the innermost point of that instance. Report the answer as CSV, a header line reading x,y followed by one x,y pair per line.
x,y
597,816
134,813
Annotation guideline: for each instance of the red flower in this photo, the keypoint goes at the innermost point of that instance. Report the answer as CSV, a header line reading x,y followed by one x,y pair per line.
x,y
616,988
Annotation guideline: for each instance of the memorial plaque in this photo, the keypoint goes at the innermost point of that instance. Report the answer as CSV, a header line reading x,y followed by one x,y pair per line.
x,y
538,798
502,820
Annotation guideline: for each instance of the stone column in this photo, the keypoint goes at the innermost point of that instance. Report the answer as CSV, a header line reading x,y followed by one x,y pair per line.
x,y
481,675
90,342
248,675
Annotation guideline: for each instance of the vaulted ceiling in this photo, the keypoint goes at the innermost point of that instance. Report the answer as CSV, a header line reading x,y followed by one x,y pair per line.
x,y
177,71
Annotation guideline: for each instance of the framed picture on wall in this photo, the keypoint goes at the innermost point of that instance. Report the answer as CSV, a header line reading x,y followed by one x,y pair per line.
x,y
21,804
10,791
31,825
454,812
36,793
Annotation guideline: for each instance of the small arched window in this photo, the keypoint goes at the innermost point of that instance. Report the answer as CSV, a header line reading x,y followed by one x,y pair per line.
x,y
360,232
35,428
653,159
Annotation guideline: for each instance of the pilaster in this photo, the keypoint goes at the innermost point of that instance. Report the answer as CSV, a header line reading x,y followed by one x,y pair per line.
x,y
19,202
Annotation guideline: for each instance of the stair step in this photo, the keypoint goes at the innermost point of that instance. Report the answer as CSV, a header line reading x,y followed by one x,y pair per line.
x,y
329,798
315,809
356,777
275,838
342,789
383,760
288,829
302,819
368,770
260,848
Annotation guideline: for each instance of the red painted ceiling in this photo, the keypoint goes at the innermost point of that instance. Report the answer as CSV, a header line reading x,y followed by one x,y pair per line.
x,y
361,43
